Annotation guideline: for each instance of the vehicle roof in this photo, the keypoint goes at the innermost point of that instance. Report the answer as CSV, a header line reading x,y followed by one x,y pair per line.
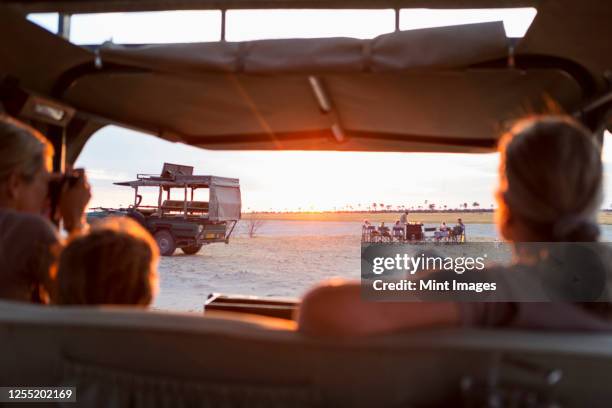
x,y
385,94
181,181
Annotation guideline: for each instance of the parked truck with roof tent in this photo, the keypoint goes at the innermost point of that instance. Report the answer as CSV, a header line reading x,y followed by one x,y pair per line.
x,y
183,223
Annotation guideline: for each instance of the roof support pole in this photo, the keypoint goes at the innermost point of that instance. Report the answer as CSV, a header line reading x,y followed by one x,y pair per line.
x,y
223,24
63,25
159,200
57,135
596,115
397,19
185,201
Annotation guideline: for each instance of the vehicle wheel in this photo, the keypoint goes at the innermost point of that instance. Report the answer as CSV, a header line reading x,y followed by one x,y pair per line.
x,y
191,250
165,242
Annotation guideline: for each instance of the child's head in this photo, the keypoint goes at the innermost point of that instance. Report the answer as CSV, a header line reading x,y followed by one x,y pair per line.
x,y
115,263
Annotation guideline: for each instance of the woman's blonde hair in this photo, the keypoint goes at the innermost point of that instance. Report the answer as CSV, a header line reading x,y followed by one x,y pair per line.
x,y
115,263
551,177
22,149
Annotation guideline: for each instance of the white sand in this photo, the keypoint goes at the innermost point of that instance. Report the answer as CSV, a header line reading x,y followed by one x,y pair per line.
x,y
262,266
276,266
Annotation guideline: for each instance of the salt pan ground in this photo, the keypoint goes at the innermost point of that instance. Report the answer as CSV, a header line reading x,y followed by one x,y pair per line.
x,y
280,262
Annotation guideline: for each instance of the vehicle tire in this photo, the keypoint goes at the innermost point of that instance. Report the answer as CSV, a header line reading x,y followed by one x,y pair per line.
x,y
191,250
165,242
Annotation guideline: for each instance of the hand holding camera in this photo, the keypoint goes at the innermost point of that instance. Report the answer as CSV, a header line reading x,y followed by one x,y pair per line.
x,y
69,193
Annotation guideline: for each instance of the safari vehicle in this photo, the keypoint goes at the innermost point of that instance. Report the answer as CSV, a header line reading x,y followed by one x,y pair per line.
x,y
185,224
446,89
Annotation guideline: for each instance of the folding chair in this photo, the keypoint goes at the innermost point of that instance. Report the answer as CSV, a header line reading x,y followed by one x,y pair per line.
x,y
398,233
385,234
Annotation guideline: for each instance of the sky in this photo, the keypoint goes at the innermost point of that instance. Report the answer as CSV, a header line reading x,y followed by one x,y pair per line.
x,y
288,180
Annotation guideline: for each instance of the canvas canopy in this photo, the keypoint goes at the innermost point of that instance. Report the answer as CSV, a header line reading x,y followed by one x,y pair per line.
x,y
225,204
439,89
180,181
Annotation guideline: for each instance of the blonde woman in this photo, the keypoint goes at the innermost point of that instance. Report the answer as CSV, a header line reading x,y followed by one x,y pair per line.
x,y
29,243
550,190
115,263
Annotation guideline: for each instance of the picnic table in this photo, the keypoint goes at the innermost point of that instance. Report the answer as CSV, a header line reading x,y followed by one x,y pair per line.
x,y
413,233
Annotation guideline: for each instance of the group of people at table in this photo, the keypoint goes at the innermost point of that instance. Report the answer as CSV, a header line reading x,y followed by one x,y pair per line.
x,y
404,230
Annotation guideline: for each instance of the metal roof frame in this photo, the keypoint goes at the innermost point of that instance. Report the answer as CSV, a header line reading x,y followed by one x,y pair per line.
x,y
98,6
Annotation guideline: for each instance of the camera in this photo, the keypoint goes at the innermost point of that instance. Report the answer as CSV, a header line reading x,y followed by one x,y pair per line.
x,y
57,184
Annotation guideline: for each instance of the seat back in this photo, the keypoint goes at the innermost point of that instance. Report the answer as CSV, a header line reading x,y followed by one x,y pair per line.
x,y
173,205
179,205
123,357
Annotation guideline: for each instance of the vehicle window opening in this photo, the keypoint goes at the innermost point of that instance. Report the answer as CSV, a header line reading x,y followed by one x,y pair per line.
x,y
187,26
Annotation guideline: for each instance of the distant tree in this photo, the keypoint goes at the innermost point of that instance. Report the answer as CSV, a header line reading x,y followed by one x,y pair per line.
x,y
465,206
253,225
432,206
381,206
374,206
475,204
